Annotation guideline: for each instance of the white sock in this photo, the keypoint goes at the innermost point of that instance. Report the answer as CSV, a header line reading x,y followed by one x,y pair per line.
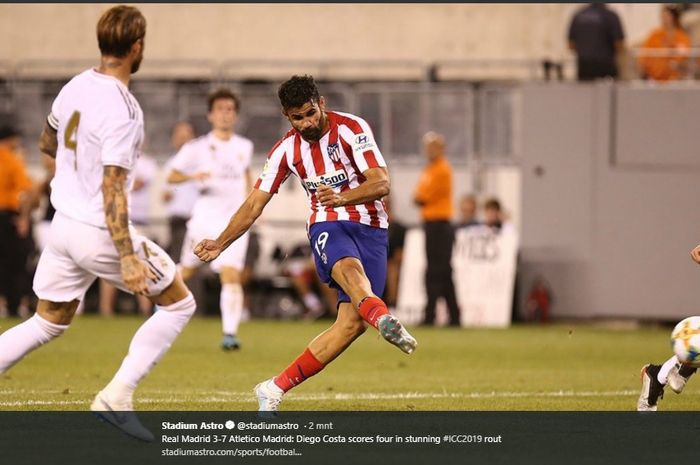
x,y
231,303
18,341
662,377
312,302
148,346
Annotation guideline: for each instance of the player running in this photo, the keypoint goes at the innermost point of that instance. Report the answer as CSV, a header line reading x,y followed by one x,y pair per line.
x,y
95,130
219,162
672,373
340,166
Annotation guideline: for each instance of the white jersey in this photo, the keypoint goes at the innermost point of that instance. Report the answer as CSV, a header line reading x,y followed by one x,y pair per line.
x,y
225,190
145,171
98,123
183,196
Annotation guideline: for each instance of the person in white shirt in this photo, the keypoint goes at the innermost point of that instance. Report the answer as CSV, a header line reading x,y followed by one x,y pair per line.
x,y
95,131
179,199
219,163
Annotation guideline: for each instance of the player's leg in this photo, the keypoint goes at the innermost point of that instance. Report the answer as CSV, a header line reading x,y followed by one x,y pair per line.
x,y
229,265
58,282
675,374
189,263
652,388
322,350
108,297
50,321
350,275
175,306
231,303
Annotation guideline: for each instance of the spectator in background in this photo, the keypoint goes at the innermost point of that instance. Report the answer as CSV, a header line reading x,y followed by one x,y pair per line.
x,y
179,198
145,171
494,217
397,236
43,228
467,211
434,196
675,40
15,221
596,36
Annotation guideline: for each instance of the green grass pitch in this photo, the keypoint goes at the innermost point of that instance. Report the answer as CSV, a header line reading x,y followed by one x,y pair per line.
x,y
557,367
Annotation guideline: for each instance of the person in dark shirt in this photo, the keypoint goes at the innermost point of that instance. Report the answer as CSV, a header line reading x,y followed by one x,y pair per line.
x,y
596,35
397,237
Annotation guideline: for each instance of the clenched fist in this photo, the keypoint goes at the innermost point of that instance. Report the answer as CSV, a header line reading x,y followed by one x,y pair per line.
x,y
328,198
695,254
208,250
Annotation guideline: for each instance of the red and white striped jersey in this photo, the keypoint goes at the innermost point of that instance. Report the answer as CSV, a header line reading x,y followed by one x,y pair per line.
x,y
338,160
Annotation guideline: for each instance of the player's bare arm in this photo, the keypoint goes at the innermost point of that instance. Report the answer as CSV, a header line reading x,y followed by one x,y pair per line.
x,y
133,270
240,222
695,254
176,177
375,187
48,143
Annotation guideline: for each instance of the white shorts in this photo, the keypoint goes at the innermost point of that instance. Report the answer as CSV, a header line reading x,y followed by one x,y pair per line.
x,y
78,253
233,256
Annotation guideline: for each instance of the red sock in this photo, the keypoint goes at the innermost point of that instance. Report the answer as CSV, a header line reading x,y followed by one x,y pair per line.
x,y
371,308
305,366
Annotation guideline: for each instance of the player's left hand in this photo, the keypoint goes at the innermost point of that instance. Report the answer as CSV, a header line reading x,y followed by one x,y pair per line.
x,y
207,250
695,254
328,197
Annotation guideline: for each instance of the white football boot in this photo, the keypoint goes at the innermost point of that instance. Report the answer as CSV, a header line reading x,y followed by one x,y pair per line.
x,y
269,397
393,331
121,415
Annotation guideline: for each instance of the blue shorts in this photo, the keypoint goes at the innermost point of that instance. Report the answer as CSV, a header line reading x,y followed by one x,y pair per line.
x,y
333,240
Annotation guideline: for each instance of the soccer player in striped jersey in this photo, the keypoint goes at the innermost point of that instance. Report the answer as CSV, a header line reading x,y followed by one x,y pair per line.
x,y
337,160
95,131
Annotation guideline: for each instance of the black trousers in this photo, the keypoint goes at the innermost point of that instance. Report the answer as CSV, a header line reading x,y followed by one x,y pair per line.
x,y
178,229
15,278
439,239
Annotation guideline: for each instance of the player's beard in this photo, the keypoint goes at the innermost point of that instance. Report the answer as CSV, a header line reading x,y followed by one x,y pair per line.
x,y
314,134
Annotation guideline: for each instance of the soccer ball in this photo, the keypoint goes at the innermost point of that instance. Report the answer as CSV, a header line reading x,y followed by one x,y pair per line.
x,y
685,340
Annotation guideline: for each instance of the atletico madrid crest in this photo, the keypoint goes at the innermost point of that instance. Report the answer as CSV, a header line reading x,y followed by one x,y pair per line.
x,y
334,152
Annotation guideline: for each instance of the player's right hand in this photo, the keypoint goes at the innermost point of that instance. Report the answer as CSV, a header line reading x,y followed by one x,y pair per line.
x,y
135,273
208,250
695,254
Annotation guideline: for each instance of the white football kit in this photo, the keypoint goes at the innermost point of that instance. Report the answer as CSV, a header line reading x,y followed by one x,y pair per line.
x,y
98,123
220,195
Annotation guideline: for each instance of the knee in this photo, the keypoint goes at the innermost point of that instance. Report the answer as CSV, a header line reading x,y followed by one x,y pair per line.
x,y
353,329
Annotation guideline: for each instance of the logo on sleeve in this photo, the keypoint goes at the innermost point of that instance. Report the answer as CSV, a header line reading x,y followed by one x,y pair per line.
x,y
362,143
334,179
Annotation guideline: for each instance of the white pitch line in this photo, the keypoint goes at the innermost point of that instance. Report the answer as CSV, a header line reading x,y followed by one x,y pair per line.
x,y
224,397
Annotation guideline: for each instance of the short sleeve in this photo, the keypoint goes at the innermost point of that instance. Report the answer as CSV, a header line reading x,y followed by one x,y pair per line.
x,y
120,143
275,171
185,160
365,151
52,119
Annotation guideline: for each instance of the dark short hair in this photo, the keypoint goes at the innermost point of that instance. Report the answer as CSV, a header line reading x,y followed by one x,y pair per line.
x,y
118,29
297,91
223,94
7,131
675,15
492,204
